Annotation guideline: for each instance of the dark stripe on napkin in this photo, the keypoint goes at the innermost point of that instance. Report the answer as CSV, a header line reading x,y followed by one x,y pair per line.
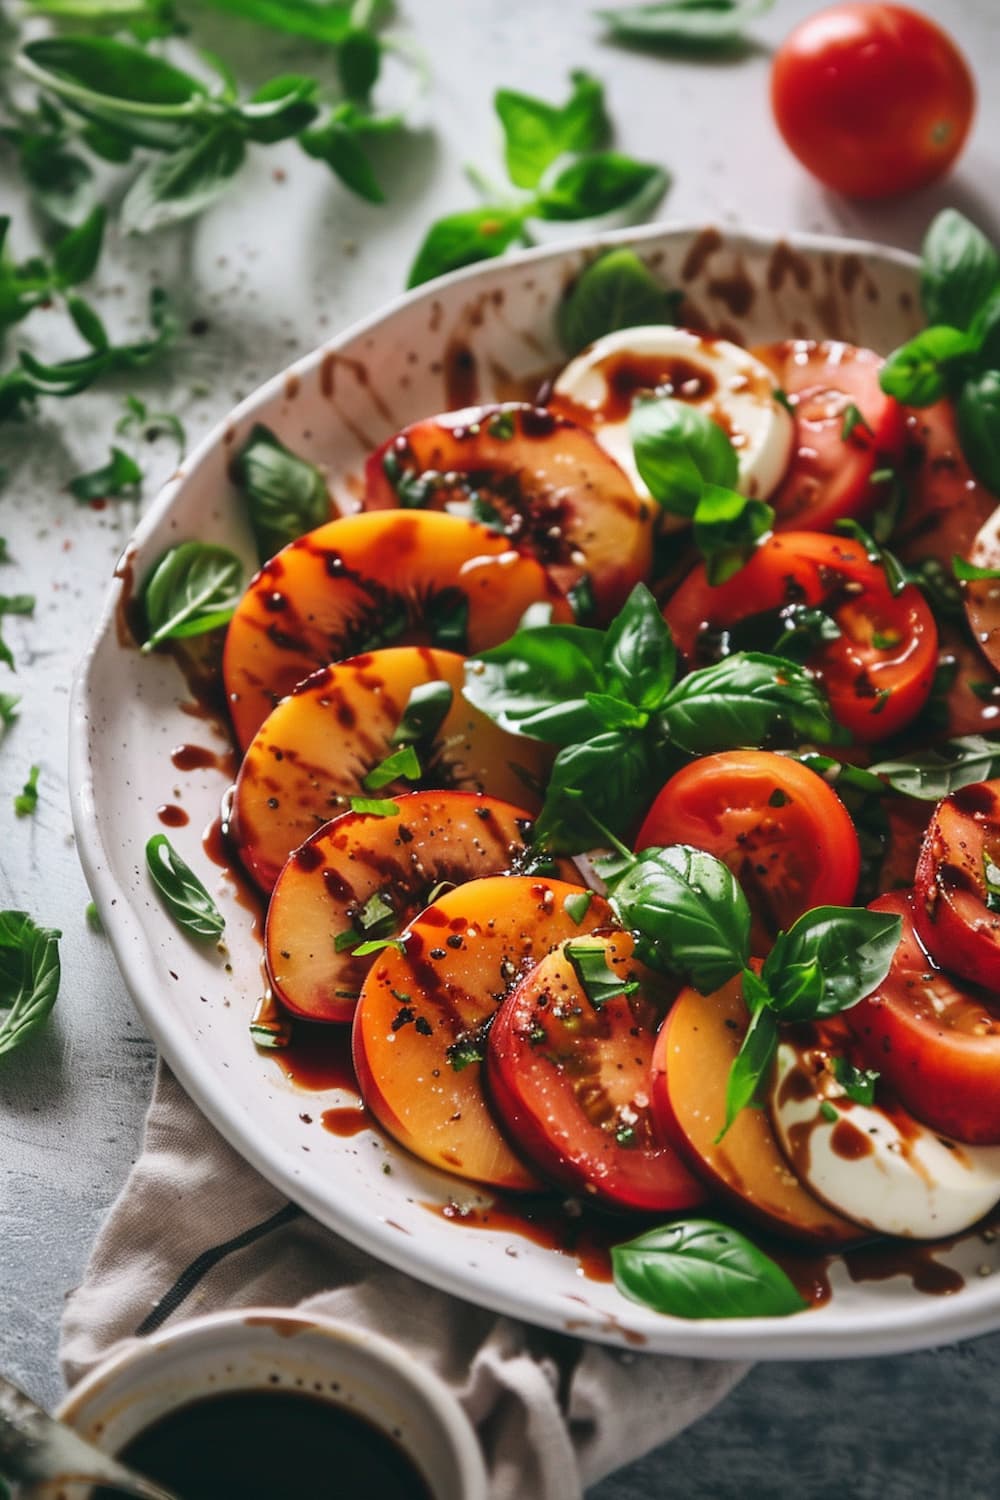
x,y
200,1267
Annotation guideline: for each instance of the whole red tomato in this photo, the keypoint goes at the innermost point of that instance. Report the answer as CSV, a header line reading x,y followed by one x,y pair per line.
x,y
873,99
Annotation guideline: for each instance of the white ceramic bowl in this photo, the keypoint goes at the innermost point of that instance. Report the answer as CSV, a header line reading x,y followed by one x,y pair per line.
x,y
483,333
275,1349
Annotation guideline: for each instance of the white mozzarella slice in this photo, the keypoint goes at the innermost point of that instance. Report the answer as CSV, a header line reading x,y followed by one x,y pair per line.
x,y
881,1167
737,391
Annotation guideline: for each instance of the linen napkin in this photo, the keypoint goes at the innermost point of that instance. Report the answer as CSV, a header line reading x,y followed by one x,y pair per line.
x,y
196,1229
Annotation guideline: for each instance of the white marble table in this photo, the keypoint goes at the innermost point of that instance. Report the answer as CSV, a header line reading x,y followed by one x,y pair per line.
x,y
288,260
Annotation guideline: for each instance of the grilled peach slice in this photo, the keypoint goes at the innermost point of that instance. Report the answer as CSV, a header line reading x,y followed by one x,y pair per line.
x,y
313,752
361,582
541,481
367,875
569,1076
419,1029
694,1052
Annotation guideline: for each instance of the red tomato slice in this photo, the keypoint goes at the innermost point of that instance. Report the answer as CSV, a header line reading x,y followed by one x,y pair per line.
x,y
783,832
957,879
537,478
571,1083
945,504
830,475
934,1040
878,674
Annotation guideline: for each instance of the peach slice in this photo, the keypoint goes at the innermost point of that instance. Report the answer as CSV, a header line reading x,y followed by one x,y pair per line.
x,y
570,1079
540,479
365,581
313,752
419,1029
363,865
694,1052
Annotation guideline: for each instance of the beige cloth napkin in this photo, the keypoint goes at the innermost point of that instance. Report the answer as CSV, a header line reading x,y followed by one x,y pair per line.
x,y
196,1229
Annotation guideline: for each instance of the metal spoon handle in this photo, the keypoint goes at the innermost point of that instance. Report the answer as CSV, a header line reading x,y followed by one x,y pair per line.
x,y
34,1447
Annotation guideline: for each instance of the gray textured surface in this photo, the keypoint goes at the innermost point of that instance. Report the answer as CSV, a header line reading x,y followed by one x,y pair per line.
x,y
284,263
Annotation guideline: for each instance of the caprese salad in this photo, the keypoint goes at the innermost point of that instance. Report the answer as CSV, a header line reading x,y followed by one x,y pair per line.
x,y
624,774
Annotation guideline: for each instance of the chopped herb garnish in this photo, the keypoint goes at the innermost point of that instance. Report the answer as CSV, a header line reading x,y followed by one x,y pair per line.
x,y
599,982
858,1083
27,799
577,904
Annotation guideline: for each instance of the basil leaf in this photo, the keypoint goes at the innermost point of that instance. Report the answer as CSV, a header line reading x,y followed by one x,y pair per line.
x,y
807,628
727,528
858,1083
959,270
615,713
29,976
536,133
183,893
463,238
119,476
639,658
77,253
752,1064
194,588
848,949
119,85
691,916
685,25
184,184
917,373
401,764
602,183
979,426
700,1269
933,774
678,450
967,572
285,495
426,709
745,699
281,107
359,60
336,143
318,20
8,705
588,958
605,778
376,807
615,291
26,800
536,683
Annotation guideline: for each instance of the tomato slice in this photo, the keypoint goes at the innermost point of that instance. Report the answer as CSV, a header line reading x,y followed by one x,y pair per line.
x,y
783,832
878,673
945,503
830,473
934,1039
538,479
571,1082
957,912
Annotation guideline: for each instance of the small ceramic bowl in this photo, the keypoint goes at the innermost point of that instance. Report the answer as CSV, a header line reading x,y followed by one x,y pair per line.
x,y
277,1349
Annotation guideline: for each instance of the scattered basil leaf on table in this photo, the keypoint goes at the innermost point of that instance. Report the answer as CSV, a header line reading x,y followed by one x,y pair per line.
x,y
194,588
285,495
700,1269
464,238
29,977
615,291
537,133
685,25
185,183
26,800
121,475
183,893
137,417
8,707
337,142
599,184
328,22
13,604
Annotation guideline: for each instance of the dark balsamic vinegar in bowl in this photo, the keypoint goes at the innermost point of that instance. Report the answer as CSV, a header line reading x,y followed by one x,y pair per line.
x,y
271,1445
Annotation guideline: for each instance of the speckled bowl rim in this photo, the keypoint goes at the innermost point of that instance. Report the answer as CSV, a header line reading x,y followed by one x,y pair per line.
x,y
901,1325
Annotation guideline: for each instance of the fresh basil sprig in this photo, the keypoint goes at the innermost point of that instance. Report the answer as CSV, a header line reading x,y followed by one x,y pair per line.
x,y
611,701
121,475
701,1269
183,893
559,171
285,496
690,467
194,588
617,290
685,25
29,977
959,354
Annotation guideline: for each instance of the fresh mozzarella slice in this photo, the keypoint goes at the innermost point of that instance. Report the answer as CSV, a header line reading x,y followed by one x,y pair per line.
x,y
597,389
879,1166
